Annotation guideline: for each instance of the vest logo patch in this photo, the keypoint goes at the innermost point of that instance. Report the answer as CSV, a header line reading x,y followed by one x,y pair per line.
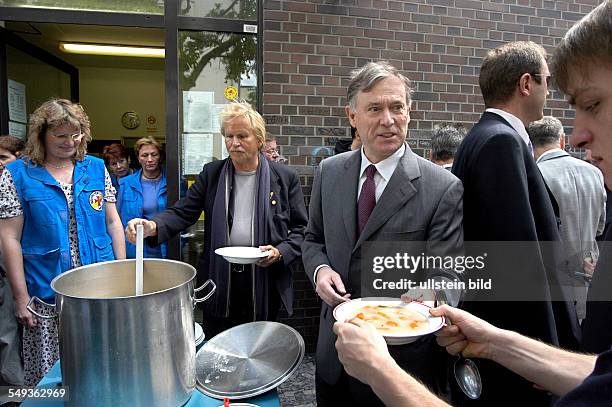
x,y
96,200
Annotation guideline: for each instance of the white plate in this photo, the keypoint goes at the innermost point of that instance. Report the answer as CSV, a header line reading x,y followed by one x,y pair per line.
x,y
348,309
241,254
199,334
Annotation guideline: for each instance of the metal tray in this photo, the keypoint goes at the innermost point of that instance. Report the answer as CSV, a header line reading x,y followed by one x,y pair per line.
x,y
248,360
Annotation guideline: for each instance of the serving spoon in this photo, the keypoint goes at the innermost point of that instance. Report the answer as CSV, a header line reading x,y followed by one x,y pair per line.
x,y
139,256
465,370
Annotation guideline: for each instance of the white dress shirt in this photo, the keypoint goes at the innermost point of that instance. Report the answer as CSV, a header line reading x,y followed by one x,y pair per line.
x,y
384,171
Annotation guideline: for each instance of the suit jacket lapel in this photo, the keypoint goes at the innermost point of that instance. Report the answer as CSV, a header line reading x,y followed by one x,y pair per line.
x,y
398,191
347,192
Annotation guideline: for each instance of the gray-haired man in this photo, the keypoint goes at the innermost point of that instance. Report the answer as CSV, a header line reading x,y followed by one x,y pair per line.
x,y
376,193
445,141
578,188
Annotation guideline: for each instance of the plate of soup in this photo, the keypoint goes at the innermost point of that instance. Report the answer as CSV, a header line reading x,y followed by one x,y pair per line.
x,y
399,322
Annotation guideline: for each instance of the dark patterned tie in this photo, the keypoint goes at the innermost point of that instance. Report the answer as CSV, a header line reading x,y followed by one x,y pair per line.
x,y
367,198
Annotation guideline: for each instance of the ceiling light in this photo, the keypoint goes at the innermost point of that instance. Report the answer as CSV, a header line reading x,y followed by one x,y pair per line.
x,y
115,50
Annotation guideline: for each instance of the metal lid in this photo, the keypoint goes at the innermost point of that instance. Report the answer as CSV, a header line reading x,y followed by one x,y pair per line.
x,y
248,360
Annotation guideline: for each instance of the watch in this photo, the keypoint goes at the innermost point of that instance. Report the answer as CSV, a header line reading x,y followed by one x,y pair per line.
x,y
130,120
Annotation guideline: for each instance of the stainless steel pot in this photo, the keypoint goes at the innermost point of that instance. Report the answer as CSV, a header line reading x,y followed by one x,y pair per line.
x,y
119,349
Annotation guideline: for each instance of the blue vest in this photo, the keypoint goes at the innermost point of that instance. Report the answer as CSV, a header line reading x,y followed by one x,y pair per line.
x,y
129,205
45,241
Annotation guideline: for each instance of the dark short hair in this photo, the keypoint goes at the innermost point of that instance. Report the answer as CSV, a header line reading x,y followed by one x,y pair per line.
x,y
503,66
445,140
587,44
114,151
366,77
545,131
12,144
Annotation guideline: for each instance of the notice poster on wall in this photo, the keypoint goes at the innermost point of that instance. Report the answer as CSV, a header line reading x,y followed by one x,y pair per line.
x,y
200,114
17,130
198,149
17,102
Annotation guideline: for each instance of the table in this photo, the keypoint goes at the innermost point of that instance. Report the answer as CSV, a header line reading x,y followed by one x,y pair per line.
x,y
198,399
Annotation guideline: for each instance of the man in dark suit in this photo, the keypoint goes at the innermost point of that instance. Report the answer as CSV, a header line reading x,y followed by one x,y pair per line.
x,y
381,192
247,201
506,200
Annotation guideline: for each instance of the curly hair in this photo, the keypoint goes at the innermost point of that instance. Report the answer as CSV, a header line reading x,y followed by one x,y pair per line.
x,y
52,114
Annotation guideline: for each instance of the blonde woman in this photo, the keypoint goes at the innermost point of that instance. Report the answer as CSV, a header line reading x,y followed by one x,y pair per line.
x,y
57,212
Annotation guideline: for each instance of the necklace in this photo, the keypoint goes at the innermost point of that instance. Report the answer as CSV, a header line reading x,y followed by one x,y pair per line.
x,y
58,167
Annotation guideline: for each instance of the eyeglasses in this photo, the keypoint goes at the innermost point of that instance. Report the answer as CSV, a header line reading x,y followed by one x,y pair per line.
x,y
63,137
273,150
547,77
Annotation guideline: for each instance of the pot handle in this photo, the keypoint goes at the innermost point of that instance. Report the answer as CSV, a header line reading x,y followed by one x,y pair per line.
x,y
36,299
197,300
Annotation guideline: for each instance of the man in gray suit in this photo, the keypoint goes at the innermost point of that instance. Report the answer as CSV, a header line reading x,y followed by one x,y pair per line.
x,y
578,188
381,192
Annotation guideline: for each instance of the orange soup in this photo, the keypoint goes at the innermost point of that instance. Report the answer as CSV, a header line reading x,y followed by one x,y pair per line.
x,y
392,319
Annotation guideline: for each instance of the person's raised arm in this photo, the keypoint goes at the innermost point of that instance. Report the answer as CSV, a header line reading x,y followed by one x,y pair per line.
x,y
549,367
364,354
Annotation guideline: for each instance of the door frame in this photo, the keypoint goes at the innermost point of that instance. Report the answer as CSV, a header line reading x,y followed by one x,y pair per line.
x,y
172,23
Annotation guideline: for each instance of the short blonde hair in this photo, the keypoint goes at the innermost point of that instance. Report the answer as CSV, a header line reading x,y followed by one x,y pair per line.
x,y
147,141
51,114
243,109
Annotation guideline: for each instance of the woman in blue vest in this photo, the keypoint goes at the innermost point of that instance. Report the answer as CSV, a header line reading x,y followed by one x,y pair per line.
x,y
57,212
143,194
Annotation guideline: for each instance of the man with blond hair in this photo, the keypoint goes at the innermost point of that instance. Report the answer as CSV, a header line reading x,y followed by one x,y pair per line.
x,y
247,201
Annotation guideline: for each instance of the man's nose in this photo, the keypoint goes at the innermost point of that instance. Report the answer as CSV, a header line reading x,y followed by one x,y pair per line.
x,y
387,118
581,137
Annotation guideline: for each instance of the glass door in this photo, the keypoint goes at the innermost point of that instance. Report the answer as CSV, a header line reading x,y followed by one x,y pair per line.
x,y
215,68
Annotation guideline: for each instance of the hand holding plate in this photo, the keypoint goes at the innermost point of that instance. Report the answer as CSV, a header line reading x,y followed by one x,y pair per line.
x,y
360,347
468,335
273,255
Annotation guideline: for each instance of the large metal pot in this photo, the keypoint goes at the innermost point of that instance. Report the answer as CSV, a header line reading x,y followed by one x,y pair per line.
x,y
119,349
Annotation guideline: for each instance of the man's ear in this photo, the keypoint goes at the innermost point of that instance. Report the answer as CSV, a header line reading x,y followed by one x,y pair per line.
x,y
562,141
350,114
525,84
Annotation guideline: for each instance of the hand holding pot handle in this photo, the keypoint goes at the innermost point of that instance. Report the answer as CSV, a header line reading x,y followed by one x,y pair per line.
x,y
23,315
150,229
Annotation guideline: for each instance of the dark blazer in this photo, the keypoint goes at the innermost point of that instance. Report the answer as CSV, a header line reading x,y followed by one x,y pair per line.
x,y
506,200
287,220
421,202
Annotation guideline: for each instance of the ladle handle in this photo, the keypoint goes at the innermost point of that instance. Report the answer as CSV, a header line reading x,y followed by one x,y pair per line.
x,y
31,309
197,300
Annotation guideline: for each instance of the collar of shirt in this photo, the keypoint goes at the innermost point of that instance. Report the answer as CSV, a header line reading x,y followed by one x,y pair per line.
x,y
514,121
385,167
548,152
384,170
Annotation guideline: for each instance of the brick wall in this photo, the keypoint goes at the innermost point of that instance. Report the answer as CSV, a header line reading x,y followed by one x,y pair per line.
x,y
311,46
